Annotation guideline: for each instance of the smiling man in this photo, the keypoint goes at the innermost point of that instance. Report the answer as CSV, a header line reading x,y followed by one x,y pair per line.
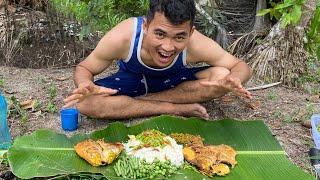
x,y
153,77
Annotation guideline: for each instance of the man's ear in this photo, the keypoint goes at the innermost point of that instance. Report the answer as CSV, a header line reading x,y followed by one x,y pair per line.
x,y
192,30
145,25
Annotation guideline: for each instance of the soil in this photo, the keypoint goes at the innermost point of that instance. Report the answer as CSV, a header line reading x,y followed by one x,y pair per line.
x,y
282,109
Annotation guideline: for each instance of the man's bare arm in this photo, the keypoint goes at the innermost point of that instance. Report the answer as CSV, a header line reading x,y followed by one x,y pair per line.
x,y
114,45
240,69
210,52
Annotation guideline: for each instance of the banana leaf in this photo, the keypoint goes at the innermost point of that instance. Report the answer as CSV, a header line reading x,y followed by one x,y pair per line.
x,y
45,153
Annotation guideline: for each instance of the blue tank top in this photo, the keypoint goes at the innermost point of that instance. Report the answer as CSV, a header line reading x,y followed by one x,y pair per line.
x,y
134,64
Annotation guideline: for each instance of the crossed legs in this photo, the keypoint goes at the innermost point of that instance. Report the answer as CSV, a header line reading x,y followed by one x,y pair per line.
x,y
181,100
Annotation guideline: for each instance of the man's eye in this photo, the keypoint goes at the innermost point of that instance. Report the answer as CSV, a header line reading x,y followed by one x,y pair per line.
x,y
180,38
159,35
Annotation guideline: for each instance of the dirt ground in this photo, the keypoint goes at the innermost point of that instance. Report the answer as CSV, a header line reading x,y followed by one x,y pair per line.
x,y
281,108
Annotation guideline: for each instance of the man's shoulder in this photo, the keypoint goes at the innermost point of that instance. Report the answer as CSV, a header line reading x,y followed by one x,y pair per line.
x,y
123,31
116,43
202,48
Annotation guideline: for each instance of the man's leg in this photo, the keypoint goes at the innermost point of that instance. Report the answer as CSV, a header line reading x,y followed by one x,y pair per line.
x,y
120,107
192,91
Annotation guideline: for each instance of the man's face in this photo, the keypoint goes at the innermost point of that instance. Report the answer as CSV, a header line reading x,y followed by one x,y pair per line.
x,y
165,40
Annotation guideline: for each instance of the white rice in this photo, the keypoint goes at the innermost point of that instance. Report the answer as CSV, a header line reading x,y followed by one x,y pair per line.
x,y
171,152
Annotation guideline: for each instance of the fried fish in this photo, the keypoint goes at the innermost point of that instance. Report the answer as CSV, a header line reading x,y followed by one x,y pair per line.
x,y
98,152
210,159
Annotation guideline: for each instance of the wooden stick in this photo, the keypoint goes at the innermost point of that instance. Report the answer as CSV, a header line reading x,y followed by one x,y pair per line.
x,y
263,86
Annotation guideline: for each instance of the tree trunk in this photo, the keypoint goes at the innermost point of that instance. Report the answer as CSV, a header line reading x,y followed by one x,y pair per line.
x,y
261,23
281,56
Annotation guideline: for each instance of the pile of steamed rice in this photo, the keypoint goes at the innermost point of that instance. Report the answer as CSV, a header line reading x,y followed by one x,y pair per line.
x,y
171,152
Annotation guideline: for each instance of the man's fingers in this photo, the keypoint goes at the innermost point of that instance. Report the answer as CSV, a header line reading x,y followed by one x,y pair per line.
x,y
243,92
109,91
234,83
81,91
72,98
89,90
71,103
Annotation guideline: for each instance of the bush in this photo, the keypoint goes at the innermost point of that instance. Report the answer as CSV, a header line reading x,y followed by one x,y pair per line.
x,y
100,15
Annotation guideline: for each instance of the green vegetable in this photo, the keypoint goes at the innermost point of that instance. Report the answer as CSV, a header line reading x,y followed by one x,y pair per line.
x,y
131,167
153,138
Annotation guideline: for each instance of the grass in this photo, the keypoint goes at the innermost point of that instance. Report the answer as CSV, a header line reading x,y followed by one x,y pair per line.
x,y
272,95
310,81
288,119
41,80
4,160
277,114
51,106
1,82
16,111
308,142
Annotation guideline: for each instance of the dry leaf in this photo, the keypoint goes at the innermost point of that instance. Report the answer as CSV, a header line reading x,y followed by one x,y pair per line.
x,y
306,124
226,99
62,78
9,91
253,105
315,98
28,104
2,3
11,9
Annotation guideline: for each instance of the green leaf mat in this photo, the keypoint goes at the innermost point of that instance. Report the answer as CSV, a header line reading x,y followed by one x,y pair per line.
x,y
45,153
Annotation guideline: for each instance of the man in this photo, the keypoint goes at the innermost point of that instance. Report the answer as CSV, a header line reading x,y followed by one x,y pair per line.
x,y
153,78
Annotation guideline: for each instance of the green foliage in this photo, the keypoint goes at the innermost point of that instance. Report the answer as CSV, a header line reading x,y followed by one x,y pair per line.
x,y
272,95
17,111
311,80
51,107
3,159
277,114
1,82
289,11
313,34
205,26
100,15
52,91
288,119
37,105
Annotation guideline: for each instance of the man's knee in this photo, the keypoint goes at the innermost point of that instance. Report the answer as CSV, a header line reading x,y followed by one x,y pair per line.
x,y
85,107
91,106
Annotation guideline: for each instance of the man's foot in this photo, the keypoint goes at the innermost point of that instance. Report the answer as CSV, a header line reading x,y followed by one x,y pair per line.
x,y
191,110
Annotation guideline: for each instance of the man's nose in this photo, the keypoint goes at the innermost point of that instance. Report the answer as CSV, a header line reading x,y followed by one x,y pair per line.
x,y
168,45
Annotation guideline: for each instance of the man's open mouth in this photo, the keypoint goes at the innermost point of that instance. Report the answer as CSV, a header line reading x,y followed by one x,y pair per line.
x,y
165,57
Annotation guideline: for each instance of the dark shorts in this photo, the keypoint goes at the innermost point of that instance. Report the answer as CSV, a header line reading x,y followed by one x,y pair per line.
x,y
132,84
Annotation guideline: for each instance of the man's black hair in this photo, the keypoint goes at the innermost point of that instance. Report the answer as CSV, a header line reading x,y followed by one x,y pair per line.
x,y
176,11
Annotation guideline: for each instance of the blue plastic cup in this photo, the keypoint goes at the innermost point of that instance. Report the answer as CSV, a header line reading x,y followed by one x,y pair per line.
x,y
69,119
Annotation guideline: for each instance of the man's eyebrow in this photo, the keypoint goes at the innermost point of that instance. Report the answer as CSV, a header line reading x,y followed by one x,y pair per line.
x,y
160,30
182,34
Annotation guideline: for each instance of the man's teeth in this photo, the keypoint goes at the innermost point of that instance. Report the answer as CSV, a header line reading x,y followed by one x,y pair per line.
x,y
166,54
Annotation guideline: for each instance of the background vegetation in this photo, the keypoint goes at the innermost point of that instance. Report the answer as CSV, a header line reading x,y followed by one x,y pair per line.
x,y
100,15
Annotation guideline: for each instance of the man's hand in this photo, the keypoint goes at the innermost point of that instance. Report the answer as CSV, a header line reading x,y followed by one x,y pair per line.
x,y
84,90
229,83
